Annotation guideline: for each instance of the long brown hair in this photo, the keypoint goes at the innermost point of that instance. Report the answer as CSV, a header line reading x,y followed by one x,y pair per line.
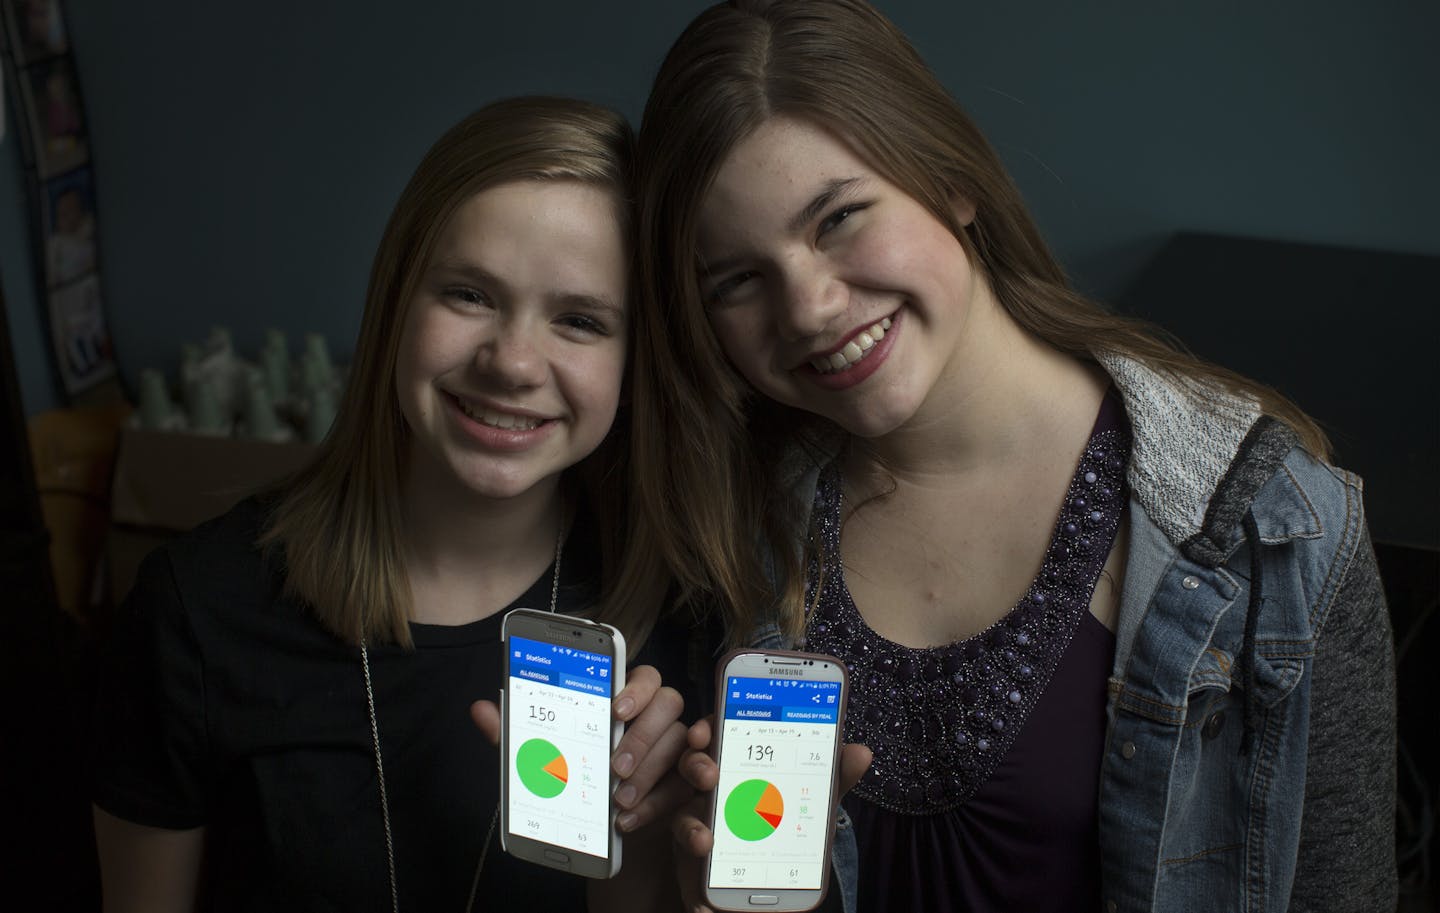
x,y
704,445
338,522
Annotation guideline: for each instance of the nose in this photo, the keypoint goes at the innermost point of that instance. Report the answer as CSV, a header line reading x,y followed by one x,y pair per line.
x,y
515,356
811,297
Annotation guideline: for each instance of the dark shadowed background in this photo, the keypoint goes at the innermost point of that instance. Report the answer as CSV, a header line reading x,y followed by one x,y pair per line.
x,y
1260,178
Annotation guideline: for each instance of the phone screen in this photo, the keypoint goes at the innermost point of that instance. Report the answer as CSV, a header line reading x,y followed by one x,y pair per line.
x,y
773,807
558,705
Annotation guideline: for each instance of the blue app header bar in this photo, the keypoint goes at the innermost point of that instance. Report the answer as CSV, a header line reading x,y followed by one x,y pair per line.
x,y
784,700
563,667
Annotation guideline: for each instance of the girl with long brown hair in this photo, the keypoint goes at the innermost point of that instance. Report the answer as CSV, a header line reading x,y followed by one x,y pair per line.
x,y
1114,626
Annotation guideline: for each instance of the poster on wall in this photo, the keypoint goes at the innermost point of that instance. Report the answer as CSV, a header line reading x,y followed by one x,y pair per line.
x,y
45,83
52,106
69,225
38,29
82,343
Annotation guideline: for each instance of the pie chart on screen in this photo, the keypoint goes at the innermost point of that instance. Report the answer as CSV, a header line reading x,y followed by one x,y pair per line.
x,y
542,768
753,810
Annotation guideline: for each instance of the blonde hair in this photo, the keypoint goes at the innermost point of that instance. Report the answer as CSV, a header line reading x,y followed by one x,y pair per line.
x,y
840,65
338,522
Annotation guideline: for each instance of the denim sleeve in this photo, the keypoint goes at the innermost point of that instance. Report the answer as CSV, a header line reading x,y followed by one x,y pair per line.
x,y
1347,834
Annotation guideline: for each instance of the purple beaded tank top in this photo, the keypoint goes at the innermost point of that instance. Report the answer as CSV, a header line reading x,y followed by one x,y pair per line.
x,y
983,791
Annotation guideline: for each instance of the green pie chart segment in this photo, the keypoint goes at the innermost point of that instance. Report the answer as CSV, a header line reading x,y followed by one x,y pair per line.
x,y
542,768
753,810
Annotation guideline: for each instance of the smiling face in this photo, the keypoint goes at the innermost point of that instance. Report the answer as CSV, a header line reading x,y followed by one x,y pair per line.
x,y
829,288
513,350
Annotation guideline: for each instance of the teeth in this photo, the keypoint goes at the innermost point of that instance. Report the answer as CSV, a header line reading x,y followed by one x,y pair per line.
x,y
502,420
853,351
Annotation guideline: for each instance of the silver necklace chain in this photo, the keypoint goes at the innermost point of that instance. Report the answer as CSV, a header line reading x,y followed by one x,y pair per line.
x,y
380,763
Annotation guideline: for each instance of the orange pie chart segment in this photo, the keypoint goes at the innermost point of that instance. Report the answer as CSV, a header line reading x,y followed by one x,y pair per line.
x,y
770,807
558,769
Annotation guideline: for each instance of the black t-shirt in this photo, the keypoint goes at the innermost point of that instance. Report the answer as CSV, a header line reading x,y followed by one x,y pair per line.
x,y
225,704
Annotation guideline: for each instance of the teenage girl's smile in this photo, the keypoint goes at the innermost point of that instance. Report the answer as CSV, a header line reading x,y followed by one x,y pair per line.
x,y
832,290
500,427
860,355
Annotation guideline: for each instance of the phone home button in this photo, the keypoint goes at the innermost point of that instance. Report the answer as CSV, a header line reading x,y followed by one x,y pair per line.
x,y
557,856
764,900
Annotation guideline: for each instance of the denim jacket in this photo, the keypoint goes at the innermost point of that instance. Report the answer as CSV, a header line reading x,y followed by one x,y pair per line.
x,y
1250,747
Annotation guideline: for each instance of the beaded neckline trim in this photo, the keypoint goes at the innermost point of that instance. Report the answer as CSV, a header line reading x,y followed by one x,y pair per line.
x,y
939,719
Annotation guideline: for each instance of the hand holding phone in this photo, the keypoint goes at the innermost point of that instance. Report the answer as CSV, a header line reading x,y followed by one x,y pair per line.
x,y
650,788
647,754
557,733
690,828
777,746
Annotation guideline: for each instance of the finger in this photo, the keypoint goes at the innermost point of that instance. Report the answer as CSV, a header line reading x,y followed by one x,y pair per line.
x,y
690,872
486,716
689,863
699,770
854,761
645,732
700,734
692,835
641,683
669,794
656,763
692,842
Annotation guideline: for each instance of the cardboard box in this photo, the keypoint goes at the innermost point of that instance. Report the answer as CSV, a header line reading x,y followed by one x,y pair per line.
x,y
168,482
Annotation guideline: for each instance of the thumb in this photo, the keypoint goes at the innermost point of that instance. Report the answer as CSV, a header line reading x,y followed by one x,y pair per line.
x,y
486,716
854,761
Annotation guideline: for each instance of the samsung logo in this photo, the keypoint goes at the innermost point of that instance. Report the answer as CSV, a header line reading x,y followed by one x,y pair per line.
x,y
778,671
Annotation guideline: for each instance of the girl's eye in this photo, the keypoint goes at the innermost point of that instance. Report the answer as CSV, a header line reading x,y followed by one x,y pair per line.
x,y
585,324
835,218
725,290
466,295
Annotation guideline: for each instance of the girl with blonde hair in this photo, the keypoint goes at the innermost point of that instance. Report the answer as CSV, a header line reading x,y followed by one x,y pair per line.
x,y
285,718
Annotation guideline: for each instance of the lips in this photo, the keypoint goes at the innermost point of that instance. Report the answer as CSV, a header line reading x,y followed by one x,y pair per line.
x,y
506,421
854,361
852,352
500,419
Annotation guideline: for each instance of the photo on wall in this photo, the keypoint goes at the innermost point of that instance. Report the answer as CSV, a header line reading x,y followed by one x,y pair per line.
x,y
80,336
52,104
37,30
69,221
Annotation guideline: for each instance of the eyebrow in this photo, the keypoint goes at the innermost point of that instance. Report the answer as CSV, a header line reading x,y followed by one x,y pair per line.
x,y
584,302
448,266
821,201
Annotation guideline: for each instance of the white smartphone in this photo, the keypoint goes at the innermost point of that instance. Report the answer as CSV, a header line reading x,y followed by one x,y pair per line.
x,y
777,742
556,737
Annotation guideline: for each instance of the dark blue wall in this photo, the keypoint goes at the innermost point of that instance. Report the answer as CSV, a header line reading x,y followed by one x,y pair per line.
x,y
246,157
22,301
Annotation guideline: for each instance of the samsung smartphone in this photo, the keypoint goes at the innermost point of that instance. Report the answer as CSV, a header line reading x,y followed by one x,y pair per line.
x,y
556,737
778,747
